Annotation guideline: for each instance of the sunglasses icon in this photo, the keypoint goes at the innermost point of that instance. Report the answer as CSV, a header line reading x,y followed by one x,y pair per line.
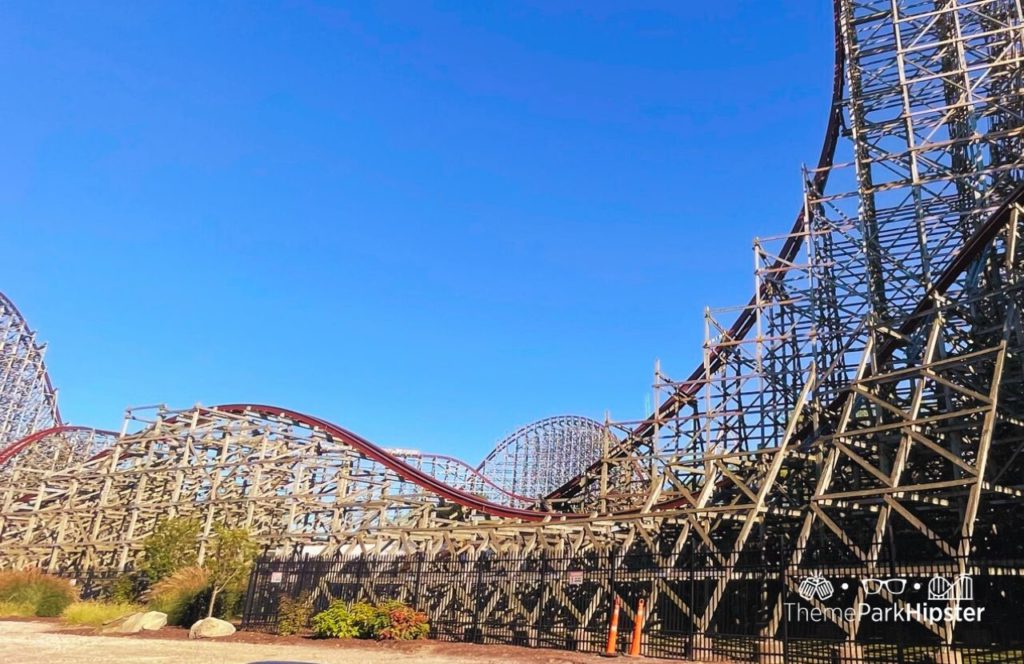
x,y
874,586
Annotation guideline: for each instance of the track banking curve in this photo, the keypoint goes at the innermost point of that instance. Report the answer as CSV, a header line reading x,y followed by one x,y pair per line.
x,y
400,468
370,450
476,473
15,448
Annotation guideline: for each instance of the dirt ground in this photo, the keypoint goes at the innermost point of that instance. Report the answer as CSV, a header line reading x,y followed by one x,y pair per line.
x,y
46,642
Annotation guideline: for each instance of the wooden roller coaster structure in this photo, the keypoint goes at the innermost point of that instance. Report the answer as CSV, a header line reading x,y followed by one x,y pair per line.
x,y
865,405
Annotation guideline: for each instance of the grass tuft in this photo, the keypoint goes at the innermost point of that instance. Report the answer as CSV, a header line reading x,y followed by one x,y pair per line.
x,y
96,614
16,610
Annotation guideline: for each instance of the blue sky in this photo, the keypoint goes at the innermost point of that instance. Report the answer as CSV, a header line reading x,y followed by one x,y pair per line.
x,y
429,222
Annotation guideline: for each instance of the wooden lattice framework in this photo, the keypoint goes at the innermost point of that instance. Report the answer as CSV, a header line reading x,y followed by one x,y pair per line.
x,y
864,406
28,401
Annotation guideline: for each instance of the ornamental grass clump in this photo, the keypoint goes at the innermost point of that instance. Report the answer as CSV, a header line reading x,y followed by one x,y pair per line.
x,y
47,595
182,596
16,610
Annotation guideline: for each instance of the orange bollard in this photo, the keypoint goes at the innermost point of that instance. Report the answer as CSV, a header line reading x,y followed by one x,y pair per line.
x,y
638,630
613,630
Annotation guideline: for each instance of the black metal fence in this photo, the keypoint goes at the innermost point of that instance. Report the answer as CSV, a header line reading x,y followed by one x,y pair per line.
x,y
758,612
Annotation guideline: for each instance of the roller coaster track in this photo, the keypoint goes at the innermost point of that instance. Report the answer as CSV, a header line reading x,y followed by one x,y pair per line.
x,y
467,477
7,454
406,469
378,454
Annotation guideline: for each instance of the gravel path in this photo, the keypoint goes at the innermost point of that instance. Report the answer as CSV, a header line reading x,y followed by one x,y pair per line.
x,y
36,643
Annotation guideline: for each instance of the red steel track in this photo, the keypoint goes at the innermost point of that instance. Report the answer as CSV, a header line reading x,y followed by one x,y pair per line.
x,y
400,468
9,452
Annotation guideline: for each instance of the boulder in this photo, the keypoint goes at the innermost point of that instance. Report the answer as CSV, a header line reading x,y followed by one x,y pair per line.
x,y
211,628
153,620
128,624
134,623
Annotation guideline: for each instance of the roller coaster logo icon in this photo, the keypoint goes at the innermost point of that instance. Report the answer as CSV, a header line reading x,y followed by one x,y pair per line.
x,y
957,588
816,587
939,588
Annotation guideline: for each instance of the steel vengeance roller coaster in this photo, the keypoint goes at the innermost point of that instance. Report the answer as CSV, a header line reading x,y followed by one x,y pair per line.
x,y
865,405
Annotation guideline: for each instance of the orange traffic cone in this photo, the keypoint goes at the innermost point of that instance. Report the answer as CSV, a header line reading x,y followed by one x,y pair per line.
x,y
638,630
613,630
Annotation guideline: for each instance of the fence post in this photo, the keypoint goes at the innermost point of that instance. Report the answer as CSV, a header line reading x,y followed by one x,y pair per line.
x,y
691,568
360,572
416,587
303,576
613,559
783,563
545,593
250,590
477,632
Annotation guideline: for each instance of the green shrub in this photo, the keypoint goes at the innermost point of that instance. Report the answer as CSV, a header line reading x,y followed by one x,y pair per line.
x,y
391,620
52,605
369,619
98,613
47,595
183,596
173,545
125,589
336,622
293,615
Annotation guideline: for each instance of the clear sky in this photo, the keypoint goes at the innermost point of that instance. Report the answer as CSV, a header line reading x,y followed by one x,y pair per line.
x,y
429,222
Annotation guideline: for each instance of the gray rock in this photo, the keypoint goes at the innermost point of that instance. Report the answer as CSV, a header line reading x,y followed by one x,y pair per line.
x,y
211,628
134,623
153,620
